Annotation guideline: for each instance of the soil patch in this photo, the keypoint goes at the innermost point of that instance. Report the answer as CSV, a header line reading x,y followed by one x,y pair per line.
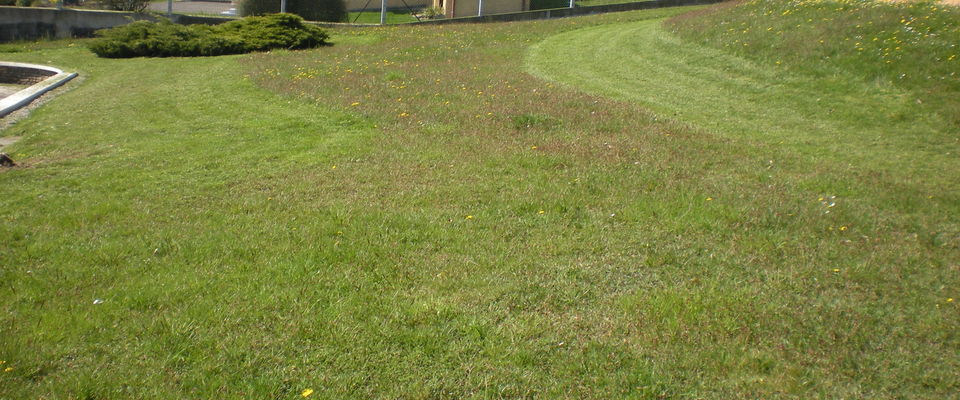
x,y
6,141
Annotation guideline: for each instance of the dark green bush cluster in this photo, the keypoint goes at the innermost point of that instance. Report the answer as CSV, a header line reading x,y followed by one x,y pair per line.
x,y
311,10
166,39
124,5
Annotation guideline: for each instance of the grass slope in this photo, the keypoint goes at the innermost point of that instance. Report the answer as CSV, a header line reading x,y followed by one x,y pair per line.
x,y
415,217
870,126
909,45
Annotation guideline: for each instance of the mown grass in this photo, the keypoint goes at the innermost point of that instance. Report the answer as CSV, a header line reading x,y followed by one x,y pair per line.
x,y
910,45
414,216
373,17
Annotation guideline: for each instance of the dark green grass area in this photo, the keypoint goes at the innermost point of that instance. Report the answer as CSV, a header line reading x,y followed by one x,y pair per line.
x,y
408,214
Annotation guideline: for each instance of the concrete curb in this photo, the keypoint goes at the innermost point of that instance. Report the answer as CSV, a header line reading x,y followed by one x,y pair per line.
x,y
25,96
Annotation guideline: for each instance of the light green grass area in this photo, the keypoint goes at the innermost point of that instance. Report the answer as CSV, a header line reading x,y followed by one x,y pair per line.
x,y
872,125
409,214
549,4
373,16
583,3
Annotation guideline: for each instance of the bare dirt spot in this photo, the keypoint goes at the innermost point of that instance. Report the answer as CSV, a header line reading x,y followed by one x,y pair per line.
x,y
6,141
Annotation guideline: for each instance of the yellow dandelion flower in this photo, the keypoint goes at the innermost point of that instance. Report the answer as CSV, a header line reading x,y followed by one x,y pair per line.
x,y
843,228
354,104
709,198
8,369
541,212
306,392
950,300
836,270
469,217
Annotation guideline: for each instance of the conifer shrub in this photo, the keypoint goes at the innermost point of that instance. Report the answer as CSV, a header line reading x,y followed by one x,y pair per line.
x,y
166,39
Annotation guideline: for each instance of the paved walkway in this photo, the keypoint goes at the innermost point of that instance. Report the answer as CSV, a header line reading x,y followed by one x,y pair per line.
x,y
193,7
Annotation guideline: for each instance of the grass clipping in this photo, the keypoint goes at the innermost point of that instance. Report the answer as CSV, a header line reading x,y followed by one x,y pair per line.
x,y
166,39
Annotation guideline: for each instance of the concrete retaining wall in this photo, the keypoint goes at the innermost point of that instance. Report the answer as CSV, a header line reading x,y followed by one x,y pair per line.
x,y
26,23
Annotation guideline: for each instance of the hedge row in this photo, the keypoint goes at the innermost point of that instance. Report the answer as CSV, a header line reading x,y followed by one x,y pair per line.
x,y
166,39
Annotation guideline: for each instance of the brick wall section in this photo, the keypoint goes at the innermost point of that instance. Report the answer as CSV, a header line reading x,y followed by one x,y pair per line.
x,y
23,76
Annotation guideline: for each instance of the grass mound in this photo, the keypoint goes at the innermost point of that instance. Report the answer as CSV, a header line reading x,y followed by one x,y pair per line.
x,y
913,45
166,39
410,215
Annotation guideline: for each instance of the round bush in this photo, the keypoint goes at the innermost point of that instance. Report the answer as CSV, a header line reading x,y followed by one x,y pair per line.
x,y
166,39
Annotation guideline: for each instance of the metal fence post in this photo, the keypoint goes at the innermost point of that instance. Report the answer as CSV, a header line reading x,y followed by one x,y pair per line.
x,y
383,12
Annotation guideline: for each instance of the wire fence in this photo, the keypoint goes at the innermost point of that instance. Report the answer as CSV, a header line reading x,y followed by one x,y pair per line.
x,y
370,13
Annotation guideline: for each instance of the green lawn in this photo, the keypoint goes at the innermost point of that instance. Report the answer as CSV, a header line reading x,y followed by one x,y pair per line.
x,y
409,213
373,16
548,4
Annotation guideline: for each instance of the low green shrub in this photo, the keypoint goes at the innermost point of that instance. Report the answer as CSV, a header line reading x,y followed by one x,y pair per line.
x,y
124,5
433,12
311,10
166,39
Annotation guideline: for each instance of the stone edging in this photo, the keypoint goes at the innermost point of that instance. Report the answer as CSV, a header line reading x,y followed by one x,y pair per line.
x,y
25,96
